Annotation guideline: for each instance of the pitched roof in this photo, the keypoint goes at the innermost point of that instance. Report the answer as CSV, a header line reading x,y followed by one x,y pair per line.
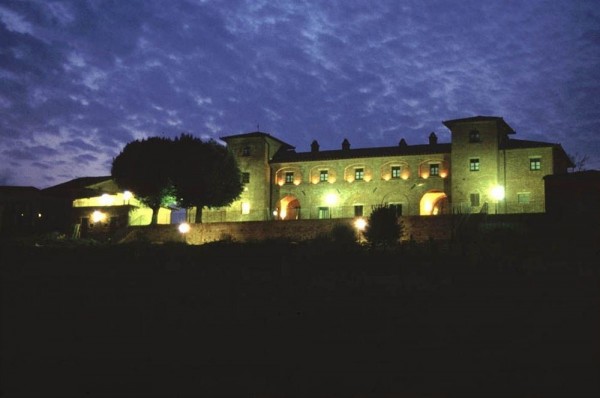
x,y
256,134
293,156
78,187
507,128
516,144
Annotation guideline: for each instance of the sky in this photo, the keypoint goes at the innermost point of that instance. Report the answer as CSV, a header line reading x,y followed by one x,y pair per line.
x,y
80,79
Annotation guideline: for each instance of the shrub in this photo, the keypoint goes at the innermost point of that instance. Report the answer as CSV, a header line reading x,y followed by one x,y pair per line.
x,y
383,227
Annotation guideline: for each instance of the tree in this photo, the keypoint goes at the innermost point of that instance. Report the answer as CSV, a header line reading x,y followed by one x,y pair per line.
x,y
383,227
579,161
207,174
185,170
142,167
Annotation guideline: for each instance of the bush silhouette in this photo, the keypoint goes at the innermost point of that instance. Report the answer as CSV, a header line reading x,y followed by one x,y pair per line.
x,y
383,227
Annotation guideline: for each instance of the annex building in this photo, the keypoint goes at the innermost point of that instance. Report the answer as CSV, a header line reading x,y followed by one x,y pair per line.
x,y
482,170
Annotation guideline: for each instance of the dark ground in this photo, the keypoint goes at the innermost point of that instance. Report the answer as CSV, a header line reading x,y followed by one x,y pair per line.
x,y
278,319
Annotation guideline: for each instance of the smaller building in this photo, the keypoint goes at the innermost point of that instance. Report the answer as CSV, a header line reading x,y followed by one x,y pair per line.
x,y
573,194
20,210
94,206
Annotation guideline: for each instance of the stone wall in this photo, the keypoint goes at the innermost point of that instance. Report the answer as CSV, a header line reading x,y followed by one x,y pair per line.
x,y
415,227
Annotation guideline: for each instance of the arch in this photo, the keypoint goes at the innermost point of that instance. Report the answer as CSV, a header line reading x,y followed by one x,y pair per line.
x,y
433,203
287,208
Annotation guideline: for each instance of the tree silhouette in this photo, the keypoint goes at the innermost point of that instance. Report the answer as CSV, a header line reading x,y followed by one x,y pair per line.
x,y
206,174
143,168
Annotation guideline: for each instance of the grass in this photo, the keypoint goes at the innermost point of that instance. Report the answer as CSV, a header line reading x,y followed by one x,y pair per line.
x,y
494,316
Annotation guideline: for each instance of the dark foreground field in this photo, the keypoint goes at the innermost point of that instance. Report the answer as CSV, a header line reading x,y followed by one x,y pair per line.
x,y
279,319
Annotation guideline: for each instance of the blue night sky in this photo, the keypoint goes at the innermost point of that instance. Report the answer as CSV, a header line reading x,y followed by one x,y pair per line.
x,y
79,79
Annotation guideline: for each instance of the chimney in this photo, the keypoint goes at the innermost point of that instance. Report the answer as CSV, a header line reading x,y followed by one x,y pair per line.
x,y
432,139
345,144
314,146
402,143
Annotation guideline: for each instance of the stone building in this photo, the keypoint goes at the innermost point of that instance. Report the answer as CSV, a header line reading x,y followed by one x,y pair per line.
x,y
482,169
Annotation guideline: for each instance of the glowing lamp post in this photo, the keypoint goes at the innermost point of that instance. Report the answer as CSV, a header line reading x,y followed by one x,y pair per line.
x,y
184,228
360,224
497,194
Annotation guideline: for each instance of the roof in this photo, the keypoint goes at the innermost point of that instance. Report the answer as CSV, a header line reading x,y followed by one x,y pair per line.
x,y
518,144
256,134
453,122
293,156
76,188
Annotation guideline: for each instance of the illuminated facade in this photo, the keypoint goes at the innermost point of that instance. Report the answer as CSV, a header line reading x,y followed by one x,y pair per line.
x,y
96,206
483,169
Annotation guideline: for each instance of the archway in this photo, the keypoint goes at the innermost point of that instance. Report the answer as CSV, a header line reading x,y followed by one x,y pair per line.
x,y
433,204
288,208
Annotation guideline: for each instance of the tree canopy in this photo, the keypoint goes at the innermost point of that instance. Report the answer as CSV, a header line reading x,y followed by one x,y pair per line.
x,y
185,170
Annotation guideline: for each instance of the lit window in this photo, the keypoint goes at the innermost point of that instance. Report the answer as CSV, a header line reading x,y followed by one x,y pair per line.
x,y
358,210
359,174
395,171
535,164
474,165
323,212
474,199
434,169
245,178
246,151
474,136
523,198
289,177
324,175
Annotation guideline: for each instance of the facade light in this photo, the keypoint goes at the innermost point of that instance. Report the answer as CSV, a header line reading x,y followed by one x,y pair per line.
x,y
498,192
98,216
331,199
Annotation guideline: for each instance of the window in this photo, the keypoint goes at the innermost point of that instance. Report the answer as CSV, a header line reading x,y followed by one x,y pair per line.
x,y
474,164
359,174
474,199
323,212
535,164
289,177
523,198
397,207
434,169
324,175
395,171
474,136
246,151
245,178
358,210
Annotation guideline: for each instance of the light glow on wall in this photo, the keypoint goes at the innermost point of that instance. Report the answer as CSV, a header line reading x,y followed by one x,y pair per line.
x,y
245,208
497,192
106,199
98,216
127,195
331,199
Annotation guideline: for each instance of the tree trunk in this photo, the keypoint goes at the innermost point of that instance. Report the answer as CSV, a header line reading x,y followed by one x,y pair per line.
x,y
154,215
198,215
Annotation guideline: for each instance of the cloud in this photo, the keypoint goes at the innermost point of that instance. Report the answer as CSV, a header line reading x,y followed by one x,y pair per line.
x,y
96,75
